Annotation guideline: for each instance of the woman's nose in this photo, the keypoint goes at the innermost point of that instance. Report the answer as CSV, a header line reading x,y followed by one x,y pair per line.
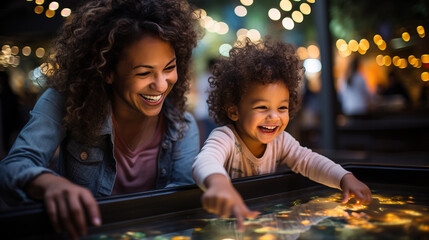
x,y
160,83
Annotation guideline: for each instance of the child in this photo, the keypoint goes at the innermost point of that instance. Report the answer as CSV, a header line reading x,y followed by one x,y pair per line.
x,y
254,94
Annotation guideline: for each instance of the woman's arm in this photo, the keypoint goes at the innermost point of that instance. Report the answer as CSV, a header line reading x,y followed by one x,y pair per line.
x,y
184,153
66,203
24,173
34,148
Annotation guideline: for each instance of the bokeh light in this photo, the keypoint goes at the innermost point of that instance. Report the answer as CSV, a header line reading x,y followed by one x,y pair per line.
x,y
387,60
313,51
302,53
285,5
297,16
65,12
305,8
254,35
26,51
40,52
274,14
287,23
353,45
406,36
50,13
54,6
425,76
14,50
246,2
312,65
364,44
224,49
38,9
421,31
240,11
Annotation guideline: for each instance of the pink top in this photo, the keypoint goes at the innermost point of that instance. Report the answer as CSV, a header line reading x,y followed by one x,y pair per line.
x,y
136,170
224,152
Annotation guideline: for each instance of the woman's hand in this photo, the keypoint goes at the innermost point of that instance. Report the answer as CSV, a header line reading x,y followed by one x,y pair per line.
x,y
66,203
223,200
352,187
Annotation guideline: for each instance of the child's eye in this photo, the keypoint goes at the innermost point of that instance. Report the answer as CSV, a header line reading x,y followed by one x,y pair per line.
x,y
260,107
283,108
143,74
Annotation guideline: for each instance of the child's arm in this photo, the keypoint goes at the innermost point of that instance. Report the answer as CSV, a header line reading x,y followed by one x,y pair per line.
x,y
223,200
351,186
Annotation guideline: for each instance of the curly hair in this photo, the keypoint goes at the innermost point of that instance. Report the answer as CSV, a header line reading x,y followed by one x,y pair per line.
x,y
90,44
264,62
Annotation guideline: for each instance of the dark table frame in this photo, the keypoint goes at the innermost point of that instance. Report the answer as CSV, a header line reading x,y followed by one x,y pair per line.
x,y
32,222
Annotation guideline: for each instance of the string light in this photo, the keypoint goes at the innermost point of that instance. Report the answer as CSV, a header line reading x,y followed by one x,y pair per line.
x,y
274,14
209,23
51,9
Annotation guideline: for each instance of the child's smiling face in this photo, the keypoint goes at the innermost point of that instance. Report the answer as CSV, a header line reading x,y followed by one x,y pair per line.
x,y
261,115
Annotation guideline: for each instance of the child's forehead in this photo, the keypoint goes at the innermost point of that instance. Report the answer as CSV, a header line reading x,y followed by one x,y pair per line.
x,y
265,83
257,89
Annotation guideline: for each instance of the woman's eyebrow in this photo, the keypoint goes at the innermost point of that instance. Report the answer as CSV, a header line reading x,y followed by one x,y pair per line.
x,y
147,66
172,60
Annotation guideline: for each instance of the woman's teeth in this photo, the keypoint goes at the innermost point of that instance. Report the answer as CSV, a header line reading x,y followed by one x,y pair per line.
x,y
152,98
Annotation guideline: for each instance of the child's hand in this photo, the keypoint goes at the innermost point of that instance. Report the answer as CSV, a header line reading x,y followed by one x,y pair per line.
x,y
223,200
351,186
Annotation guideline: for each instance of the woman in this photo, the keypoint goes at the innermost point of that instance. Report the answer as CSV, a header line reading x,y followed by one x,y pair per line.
x,y
115,105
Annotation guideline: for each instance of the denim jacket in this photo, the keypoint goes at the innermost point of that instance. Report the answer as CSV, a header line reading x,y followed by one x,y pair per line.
x,y
93,167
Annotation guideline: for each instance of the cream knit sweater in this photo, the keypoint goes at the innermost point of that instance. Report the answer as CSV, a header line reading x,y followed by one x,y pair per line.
x,y
224,152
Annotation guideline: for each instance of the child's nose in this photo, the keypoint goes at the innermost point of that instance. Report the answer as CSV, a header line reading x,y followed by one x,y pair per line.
x,y
273,115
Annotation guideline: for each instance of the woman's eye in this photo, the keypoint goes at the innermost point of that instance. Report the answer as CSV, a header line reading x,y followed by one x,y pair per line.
x,y
170,67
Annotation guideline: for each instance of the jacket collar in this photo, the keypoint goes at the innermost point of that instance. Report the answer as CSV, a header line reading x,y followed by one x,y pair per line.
x,y
168,110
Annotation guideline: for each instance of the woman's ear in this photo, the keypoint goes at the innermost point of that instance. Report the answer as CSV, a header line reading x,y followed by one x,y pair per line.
x,y
232,112
109,78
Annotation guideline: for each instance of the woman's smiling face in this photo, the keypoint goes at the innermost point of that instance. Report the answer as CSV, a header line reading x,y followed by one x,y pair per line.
x,y
262,114
144,76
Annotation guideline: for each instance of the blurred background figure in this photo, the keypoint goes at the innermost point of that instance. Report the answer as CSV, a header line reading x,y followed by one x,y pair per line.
x,y
394,95
10,117
201,112
424,97
353,93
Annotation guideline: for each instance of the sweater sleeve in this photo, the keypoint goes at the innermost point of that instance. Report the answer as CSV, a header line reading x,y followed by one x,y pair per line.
x,y
211,159
311,164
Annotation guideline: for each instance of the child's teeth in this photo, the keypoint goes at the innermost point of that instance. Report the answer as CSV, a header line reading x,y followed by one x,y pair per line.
x,y
271,128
